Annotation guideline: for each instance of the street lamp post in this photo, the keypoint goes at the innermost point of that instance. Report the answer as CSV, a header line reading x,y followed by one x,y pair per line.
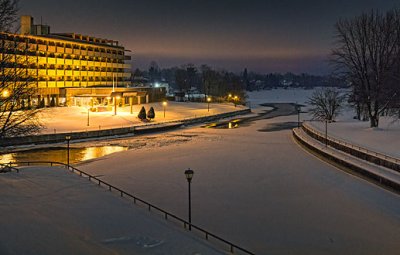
x,y
235,100
208,103
164,106
115,104
298,116
189,175
68,138
88,121
326,133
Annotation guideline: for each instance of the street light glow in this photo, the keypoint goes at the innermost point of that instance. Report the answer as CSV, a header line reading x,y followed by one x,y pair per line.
x,y
5,93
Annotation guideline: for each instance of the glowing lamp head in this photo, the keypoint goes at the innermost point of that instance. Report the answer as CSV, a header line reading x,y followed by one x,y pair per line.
x,y
5,93
208,99
189,175
68,138
164,103
236,97
230,95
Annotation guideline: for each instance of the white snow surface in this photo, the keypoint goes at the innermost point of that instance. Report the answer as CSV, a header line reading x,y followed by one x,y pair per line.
x,y
259,190
385,139
51,211
74,119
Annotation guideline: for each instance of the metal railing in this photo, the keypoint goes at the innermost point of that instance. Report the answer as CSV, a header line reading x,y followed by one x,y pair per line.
x,y
4,168
352,146
207,235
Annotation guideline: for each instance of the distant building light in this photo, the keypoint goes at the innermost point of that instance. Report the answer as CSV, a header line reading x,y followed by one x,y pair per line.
x,y
157,85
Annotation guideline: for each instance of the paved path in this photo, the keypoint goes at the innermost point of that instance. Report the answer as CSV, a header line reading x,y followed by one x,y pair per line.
x,y
51,211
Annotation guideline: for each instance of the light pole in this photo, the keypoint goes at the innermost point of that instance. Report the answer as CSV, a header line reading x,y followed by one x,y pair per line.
x,y
189,175
208,103
164,106
88,121
68,138
235,100
115,104
298,116
326,133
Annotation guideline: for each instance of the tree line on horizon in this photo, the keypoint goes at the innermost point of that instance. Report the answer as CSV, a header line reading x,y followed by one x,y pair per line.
x,y
205,78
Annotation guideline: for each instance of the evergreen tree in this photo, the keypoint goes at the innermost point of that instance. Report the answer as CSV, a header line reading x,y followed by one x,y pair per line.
x,y
151,114
142,114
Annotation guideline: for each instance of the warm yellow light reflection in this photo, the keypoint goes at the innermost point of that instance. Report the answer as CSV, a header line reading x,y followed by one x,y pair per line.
x,y
7,158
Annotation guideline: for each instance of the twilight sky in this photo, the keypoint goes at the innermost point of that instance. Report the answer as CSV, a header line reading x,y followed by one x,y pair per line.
x,y
264,36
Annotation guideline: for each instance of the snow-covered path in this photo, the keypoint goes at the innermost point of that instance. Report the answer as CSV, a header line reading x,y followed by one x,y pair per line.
x,y
51,211
260,190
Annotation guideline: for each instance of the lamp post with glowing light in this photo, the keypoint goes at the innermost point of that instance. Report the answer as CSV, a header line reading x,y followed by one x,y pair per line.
x,y
235,100
189,175
68,138
164,106
208,103
5,93
115,104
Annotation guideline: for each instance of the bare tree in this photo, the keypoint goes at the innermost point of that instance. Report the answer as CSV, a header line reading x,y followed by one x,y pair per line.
x,y
8,14
17,115
326,104
367,50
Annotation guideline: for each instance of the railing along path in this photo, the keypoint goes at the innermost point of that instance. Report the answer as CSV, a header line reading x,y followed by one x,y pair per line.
x,y
186,224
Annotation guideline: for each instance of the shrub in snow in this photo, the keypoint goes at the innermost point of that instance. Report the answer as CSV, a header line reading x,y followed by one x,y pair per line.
x,y
142,114
151,114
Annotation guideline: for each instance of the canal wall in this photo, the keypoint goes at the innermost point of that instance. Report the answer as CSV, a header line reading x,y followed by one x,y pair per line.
x,y
356,151
373,174
133,130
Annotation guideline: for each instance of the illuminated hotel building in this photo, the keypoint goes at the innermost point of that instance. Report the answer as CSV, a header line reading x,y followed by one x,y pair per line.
x,y
73,69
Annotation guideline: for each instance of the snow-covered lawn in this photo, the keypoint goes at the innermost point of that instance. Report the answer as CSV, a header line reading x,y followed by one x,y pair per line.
x,y
385,139
69,119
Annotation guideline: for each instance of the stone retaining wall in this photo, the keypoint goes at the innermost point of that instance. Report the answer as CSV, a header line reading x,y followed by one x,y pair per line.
x,y
349,165
356,151
133,130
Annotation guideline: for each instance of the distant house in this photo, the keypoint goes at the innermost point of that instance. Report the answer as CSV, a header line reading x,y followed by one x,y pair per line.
x,y
180,96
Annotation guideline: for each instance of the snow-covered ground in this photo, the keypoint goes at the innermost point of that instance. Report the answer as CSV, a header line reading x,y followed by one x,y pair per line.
x,y
51,211
260,190
385,139
69,119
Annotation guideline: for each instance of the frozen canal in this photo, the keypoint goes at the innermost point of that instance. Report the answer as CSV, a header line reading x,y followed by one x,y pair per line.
x,y
260,190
